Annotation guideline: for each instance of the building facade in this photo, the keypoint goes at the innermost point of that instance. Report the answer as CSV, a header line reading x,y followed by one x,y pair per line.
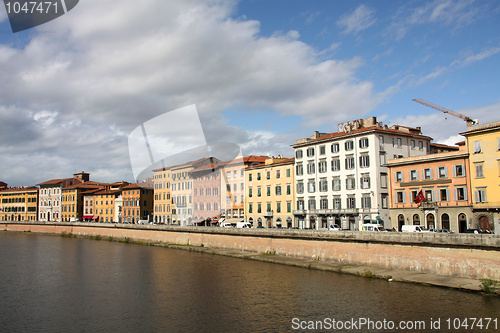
x,y
206,193
233,187
342,178
19,204
138,200
483,144
270,193
443,183
162,196
72,200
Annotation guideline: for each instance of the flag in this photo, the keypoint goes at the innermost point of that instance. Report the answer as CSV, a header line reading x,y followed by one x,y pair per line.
x,y
420,197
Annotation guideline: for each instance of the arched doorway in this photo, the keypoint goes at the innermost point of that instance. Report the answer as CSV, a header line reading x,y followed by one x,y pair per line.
x,y
366,219
401,222
352,223
445,221
431,221
312,223
462,222
416,219
484,223
289,222
259,222
278,222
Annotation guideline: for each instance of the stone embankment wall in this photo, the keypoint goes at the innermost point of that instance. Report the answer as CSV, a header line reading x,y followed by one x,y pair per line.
x,y
463,255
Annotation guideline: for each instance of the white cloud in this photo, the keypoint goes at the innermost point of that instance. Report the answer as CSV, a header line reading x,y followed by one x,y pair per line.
x,y
106,69
455,13
361,19
471,58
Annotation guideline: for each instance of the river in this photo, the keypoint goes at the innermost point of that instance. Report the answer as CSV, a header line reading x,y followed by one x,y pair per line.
x,y
57,284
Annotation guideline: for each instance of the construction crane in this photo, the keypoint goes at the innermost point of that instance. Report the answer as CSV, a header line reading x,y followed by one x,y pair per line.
x,y
469,121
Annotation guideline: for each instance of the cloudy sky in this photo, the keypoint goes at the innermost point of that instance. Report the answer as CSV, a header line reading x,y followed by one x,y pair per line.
x,y
260,73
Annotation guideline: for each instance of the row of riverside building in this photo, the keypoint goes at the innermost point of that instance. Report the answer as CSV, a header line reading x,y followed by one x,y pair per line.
x,y
366,172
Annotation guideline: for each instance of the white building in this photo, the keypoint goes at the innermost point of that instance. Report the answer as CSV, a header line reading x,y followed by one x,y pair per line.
x,y
341,177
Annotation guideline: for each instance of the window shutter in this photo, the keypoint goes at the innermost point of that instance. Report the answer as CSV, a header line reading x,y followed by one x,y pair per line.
x,y
476,195
446,172
455,171
433,195
455,193
432,173
404,197
423,173
447,194
465,194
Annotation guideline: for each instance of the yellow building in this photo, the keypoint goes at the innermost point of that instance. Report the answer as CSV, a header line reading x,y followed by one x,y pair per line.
x,y
483,144
72,200
162,196
104,205
19,204
270,197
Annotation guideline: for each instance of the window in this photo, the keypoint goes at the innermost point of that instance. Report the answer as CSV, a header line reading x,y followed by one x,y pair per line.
x,y
322,150
336,164
323,185
312,203
300,204
459,171
337,203
383,158
363,143
278,173
477,147
323,203
350,183
442,172
335,148
268,175
268,191
298,153
399,177
413,174
288,207
299,169
412,143
250,208
336,185
381,142
288,189
310,151
300,187
366,202
250,192
383,180
322,166
365,181
349,162
479,171
310,168
288,173
351,203
259,207
278,190
228,174
400,197
278,207
259,191
311,187
269,209
427,173
349,145
429,195
480,195
385,200
444,194
420,145
400,142
258,175
364,161
460,194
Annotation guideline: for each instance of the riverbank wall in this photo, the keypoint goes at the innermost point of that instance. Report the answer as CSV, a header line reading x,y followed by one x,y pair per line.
x,y
455,255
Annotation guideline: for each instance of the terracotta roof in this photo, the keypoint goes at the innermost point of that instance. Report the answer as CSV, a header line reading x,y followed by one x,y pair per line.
x,y
148,185
286,161
20,189
211,166
440,145
248,160
83,186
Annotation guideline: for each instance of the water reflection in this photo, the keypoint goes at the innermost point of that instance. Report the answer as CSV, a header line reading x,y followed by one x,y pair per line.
x,y
58,284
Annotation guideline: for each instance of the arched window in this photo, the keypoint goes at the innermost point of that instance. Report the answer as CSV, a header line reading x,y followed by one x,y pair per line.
x,y
445,221
401,221
431,222
416,219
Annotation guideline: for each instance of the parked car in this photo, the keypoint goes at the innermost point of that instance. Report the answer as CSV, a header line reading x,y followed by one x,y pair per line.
x,y
372,227
478,231
412,228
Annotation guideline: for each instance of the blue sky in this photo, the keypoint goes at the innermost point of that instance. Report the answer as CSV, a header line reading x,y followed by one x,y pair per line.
x,y
261,74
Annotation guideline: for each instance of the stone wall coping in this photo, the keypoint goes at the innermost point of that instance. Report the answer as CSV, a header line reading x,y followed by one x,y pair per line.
x,y
457,240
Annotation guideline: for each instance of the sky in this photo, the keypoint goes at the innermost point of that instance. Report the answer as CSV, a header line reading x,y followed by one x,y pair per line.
x,y
260,74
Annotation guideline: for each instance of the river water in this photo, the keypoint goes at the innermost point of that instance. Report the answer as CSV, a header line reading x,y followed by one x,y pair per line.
x,y
55,284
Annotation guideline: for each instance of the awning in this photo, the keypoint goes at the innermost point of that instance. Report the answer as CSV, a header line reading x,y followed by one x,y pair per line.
x,y
87,216
234,220
95,217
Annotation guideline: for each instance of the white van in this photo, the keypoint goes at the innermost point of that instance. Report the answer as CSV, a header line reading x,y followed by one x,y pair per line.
x,y
243,225
372,227
412,228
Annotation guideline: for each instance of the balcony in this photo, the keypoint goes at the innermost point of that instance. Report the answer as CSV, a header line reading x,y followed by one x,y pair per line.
x,y
268,214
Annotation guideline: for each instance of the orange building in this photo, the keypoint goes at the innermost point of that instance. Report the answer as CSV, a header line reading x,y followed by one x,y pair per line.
x,y
104,205
19,204
72,202
138,201
444,183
